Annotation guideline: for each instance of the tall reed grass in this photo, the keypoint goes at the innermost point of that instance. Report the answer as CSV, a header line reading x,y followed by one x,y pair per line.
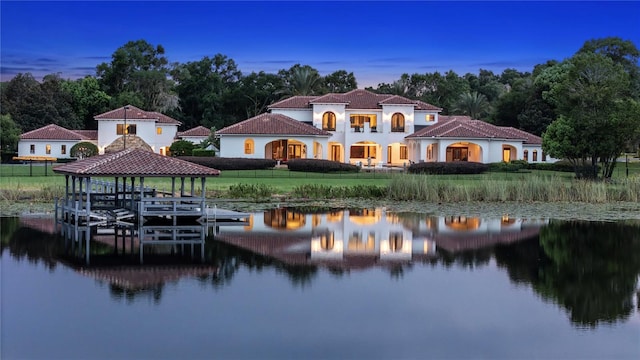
x,y
45,194
526,189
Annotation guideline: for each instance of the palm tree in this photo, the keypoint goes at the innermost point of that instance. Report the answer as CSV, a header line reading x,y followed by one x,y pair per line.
x,y
473,104
302,80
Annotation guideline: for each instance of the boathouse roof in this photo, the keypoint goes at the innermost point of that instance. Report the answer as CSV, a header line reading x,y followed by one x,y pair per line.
x,y
136,163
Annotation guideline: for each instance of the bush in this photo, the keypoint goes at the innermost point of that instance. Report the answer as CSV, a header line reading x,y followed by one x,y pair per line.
x,y
181,148
65,160
445,168
84,150
321,166
203,152
221,163
512,166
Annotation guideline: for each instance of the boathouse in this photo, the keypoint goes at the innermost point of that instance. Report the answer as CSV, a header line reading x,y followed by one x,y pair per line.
x,y
109,191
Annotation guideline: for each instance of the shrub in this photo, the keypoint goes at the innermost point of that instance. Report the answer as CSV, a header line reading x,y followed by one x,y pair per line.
x,y
321,166
181,148
203,152
512,166
444,168
221,163
65,160
84,150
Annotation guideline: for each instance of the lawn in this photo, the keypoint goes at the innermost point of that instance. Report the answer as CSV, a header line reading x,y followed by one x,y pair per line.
x,y
17,177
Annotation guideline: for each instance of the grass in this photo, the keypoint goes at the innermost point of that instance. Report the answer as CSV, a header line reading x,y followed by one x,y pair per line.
x,y
261,185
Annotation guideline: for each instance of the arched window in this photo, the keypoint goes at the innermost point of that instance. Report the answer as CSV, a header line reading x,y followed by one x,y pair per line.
x,y
526,155
397,122
535,155
248,146
329,121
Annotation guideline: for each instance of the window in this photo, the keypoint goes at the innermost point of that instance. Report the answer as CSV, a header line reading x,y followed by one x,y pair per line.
x,y
63,149
32,149
404,154
358,120
159,130
363,151
397,122
131,129
535,155
395,241
544,156
526,155
430,117
329,121
248,146
48,149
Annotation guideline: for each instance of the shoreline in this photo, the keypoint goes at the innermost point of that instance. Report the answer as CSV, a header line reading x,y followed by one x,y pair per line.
x,y
617,211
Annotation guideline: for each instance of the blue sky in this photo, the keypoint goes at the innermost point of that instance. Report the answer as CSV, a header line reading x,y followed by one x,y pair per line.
x,y
377,41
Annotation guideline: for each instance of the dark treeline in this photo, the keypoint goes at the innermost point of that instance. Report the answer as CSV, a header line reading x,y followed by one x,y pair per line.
x,y
213,92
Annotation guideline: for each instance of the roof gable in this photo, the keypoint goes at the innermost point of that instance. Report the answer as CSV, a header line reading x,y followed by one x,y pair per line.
x,y
134,162
196,131
272,124
355,99
134,113
53,132
464,127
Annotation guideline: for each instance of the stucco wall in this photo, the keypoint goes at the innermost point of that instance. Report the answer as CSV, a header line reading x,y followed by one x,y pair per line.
x,y
24,148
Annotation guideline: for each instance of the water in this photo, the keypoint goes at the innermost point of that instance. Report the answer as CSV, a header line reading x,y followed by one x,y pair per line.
x,y
331,285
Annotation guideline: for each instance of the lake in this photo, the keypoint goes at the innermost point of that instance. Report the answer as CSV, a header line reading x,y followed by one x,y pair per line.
x,y
301,283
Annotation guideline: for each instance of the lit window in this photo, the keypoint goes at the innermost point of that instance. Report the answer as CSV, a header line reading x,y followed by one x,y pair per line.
x,y
120,129
404,154
526,155
63,149
32,149
358,120
329,121
159,130
397,122
535,155
248,146
430,117
48,149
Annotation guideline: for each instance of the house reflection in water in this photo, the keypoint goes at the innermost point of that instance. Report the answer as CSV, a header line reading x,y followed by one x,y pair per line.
x,y
362,238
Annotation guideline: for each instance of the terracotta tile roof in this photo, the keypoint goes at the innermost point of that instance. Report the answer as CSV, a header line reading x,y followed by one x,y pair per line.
x,y
355,99
294,102
464,127
196,131
142,277
329,99
135,113
53,132
88,134
272,124
134,162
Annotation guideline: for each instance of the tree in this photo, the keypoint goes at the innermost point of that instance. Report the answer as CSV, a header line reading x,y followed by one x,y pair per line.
x,y
598,114
87,99
339,82
83,150
300,80
259,90
182,148
9,134
473,104
33,104
139,67
207,90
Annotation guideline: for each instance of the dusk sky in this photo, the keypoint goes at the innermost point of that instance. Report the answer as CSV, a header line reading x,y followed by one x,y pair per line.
x,y
377,41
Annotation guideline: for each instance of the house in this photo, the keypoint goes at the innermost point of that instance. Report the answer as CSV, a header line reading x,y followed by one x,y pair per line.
x,y
362,127
149,130
117,126
196,135
53,141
